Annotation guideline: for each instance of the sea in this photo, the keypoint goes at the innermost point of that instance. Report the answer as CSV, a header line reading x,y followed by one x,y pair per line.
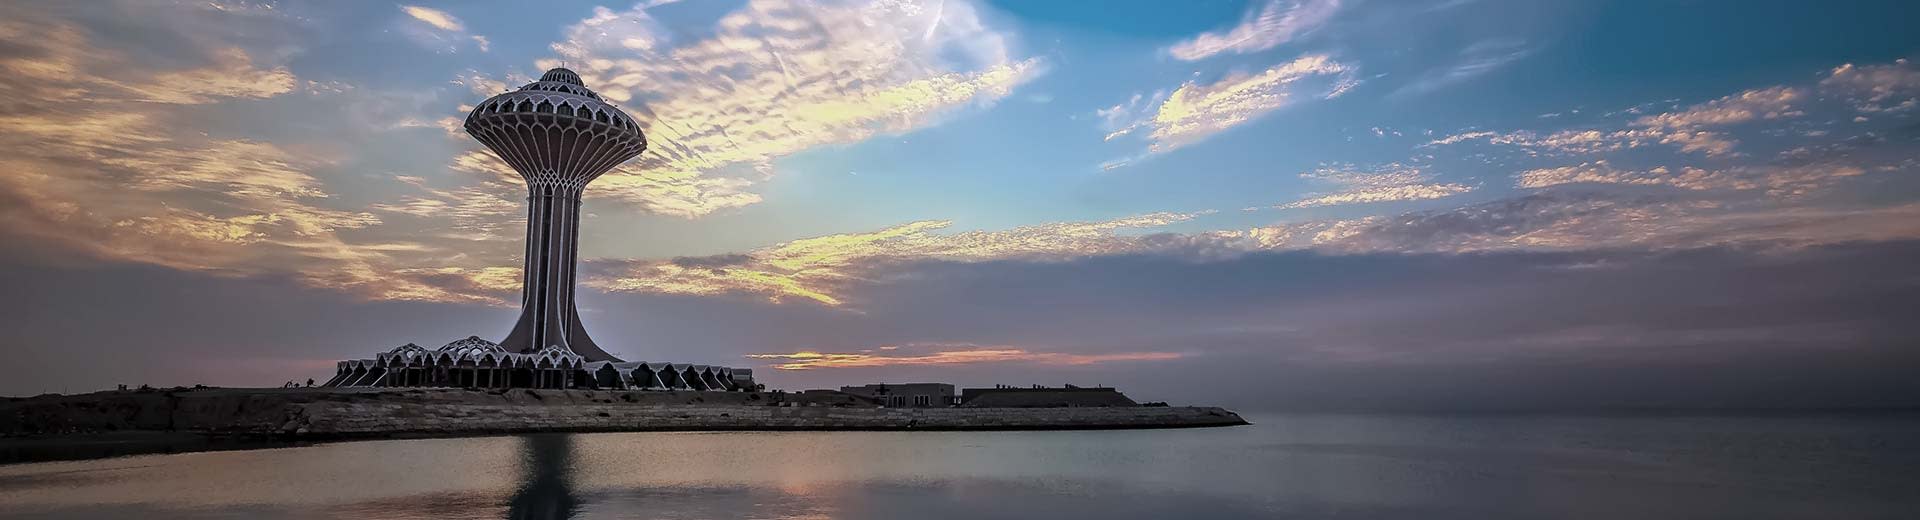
x,y
1617,466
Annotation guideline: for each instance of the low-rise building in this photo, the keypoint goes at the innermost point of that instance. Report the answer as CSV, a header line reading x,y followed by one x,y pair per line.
x,y
903,395
1037,396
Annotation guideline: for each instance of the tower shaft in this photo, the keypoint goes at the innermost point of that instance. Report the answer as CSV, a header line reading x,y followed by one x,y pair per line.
x,y
548,315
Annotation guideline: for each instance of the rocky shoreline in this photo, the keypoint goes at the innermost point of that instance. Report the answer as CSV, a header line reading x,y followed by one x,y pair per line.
x,y
38,428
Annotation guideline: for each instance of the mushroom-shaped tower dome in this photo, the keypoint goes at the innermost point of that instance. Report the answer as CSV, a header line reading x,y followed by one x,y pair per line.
x,y
556,131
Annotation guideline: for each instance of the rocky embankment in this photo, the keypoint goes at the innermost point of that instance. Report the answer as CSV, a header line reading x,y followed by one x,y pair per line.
x,y
324,414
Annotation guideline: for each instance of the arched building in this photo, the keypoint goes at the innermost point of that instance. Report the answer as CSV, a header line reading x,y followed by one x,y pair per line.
x,y
478,363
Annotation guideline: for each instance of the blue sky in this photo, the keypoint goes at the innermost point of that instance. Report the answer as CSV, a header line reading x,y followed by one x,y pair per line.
x,y
1351,193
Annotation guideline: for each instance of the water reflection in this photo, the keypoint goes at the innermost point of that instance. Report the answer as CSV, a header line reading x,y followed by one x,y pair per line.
x,y
546,489
1293,466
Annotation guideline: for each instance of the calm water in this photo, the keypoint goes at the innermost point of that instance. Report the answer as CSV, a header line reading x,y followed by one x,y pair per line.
x,y
1834,466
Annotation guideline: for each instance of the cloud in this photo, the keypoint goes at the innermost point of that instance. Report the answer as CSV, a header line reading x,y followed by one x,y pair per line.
x,y
1603,173
1381,194
1767,103
491,211
232,76
1462,137
776,78
1121,119
834,270
1473,61
102,167
1785,178
1196,111
482,86
1692,130
1577,221
681,193
1274,23
1876,88
816,269
442,29
677,193
1710,327
54,62
1685,128
948,355
829,270
437,18
1383,183
111,165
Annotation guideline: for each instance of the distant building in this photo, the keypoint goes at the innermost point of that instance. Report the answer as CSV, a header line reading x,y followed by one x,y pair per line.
x,y
1043,397
917,395
824,397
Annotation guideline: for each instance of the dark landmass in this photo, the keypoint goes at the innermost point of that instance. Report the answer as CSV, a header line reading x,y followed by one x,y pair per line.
x,y
101,424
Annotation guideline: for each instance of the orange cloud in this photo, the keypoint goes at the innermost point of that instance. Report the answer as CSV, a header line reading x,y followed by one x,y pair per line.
x,y
817,268
98,165
967,355
1686,129
1383,183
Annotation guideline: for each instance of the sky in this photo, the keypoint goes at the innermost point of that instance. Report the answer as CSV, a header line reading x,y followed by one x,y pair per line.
x,y
1266,204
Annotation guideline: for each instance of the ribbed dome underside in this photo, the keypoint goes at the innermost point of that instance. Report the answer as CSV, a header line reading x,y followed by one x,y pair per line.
x,y
568,143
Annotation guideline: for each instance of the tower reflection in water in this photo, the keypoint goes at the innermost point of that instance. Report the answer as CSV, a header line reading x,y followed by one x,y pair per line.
x,y
546,490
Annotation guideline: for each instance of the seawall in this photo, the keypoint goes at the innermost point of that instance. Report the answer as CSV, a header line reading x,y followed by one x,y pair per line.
x,y
319,414
354,420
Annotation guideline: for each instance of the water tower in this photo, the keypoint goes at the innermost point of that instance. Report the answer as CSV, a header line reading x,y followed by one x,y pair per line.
x,y
560,136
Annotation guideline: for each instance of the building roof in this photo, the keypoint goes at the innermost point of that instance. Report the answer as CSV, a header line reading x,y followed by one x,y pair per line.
x,y
1043,397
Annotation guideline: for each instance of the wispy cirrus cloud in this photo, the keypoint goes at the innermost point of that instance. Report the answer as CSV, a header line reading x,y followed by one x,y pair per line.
x,y
1196,111
437,18
1695,129
1273,23
441,30
816,269
1584,221
101,167
1381,183
948,354
232,76
483,212
1709,129
778,77
1473,61
833,270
